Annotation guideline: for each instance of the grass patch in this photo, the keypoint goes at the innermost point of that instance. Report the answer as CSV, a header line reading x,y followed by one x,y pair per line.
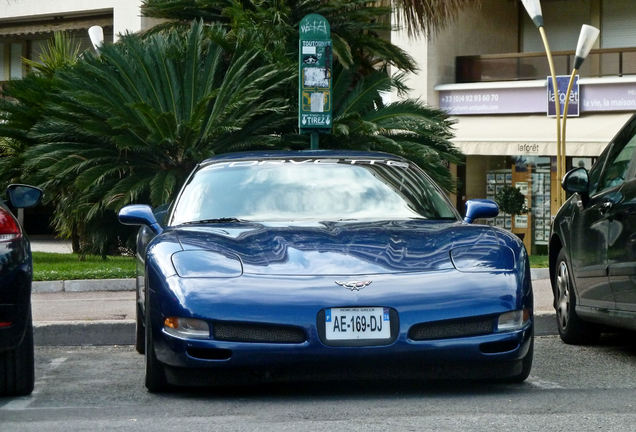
x,y
538,261
60,266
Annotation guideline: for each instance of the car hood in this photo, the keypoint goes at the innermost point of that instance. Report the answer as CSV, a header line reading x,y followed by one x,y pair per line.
x,y
342,248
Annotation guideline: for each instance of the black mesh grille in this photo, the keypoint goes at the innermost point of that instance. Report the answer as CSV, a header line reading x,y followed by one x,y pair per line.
x,y
248,332
452,328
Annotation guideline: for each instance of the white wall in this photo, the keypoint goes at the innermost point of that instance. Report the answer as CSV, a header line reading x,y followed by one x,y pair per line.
x,y
126,14
418,49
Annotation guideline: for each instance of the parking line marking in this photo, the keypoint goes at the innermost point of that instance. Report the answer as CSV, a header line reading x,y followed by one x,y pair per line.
x,y
543,384
23,402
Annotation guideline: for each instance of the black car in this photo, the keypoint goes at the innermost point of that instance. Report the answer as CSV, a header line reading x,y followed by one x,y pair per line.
x,y
593,244
16,269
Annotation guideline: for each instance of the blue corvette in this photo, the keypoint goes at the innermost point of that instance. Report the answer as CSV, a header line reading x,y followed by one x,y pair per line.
x,y
271,266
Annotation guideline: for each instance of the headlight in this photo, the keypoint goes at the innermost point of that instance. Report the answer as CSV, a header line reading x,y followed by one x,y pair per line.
x,y
486,258
513,320
186,328
206,264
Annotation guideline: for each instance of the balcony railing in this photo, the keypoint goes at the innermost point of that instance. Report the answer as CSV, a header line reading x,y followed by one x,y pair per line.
x,y
529,66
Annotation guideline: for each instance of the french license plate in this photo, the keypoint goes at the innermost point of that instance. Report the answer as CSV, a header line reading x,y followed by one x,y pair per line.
x,y
357,323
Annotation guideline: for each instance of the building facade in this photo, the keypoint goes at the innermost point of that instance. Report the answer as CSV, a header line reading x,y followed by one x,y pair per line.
x,y
27,25
489,71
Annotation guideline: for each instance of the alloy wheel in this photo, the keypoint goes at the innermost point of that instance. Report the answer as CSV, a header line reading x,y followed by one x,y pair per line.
x,y
563,304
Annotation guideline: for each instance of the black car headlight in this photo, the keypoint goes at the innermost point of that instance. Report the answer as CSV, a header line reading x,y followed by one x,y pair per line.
x,y
487,258
206,264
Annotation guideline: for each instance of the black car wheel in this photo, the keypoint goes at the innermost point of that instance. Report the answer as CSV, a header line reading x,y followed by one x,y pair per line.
x,y
155,374
571,328
17,366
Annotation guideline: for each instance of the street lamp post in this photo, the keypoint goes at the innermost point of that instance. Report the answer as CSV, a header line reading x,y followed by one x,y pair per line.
x,y
96,35
533,7
587,37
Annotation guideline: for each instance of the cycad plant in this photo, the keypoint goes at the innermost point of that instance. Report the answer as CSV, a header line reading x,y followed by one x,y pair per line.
x,y
60,52
129,125
360,29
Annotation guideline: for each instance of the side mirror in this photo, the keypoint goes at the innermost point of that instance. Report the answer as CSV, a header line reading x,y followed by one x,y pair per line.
x,y
576,181
480,209
23,196
139,214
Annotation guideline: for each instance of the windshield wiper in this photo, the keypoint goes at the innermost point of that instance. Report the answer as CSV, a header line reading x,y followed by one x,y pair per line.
x,y
213,221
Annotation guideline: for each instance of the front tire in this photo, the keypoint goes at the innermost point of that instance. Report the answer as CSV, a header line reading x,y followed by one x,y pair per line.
x,y
17,371
526,365
572,329
140,331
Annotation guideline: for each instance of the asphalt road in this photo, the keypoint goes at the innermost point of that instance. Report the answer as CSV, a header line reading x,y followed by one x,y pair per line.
x,y
100,388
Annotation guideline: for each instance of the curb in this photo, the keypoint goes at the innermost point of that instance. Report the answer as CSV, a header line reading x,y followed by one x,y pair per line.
x,y
539,273
83,285
545,324
72,333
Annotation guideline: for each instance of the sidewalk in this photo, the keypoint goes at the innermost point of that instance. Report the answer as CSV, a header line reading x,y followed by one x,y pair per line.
x,y
47,243
88,315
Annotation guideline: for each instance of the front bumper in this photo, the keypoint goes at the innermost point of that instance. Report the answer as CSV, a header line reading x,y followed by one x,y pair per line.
x,y
478,357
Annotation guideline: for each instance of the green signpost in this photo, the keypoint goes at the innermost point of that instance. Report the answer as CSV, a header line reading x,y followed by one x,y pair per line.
x,y
314,75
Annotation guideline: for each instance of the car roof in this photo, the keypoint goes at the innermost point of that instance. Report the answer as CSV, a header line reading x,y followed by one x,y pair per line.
x,y
302,154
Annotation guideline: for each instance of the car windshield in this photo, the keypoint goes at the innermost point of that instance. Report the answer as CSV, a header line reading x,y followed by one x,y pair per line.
x,y
309,189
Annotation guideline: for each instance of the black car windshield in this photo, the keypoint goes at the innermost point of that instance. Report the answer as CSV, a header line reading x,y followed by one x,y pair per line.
x,y
309,189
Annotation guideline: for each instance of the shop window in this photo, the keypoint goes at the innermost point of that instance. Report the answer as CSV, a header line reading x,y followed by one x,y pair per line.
x,y
540,208
532,175
495,182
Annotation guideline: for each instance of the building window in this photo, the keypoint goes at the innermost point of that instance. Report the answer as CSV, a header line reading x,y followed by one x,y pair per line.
x,y
17,52
11,54
4,66
562,33
617,24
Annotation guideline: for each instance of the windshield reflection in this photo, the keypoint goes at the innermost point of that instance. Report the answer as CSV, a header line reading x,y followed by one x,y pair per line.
x,y
309,191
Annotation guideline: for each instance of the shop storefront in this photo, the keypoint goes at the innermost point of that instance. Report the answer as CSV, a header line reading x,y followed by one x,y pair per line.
x,y
535,177
519,151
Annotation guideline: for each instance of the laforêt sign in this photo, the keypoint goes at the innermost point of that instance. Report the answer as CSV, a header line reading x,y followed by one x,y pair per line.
x,y
562,84
315,76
